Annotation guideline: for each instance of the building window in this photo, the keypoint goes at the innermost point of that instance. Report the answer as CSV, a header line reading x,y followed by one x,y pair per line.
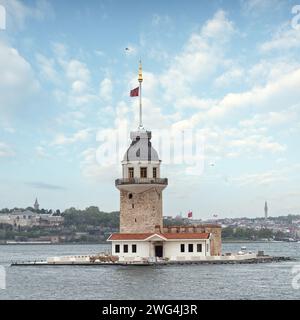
x,y
143,172
182,247
154,172
191,247
125,248
199,247
130,172
117,248
134,248
133,206
130,196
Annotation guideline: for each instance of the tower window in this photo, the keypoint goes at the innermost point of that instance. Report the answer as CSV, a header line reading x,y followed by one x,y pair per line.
x,y
199,247
154,172
117,248
138,153
125,248
143,172
130,196
191,247
130,172
133,248
133,206
182,247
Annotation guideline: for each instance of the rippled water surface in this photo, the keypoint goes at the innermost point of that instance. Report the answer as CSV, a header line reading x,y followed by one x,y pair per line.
x,y
253,281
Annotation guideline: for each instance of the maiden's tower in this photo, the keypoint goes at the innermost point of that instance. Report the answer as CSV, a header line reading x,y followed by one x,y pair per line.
x,y
142,234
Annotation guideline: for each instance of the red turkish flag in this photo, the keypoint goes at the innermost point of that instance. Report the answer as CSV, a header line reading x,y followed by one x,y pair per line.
x,y
190,214
134,92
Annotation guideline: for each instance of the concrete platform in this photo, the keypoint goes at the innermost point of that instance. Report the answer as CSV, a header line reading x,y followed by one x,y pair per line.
x,y
258,259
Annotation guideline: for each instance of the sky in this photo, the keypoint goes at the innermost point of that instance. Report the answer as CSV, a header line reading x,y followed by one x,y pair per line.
x,y
228,71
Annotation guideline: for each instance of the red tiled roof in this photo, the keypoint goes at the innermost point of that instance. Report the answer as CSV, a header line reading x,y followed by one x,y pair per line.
x,y
168,236
129,236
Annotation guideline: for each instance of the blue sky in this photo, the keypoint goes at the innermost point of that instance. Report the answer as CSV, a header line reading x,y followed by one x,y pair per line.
x,y
228,70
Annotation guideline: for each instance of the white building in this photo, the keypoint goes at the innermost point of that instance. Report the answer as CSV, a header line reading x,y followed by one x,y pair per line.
x,y
167,246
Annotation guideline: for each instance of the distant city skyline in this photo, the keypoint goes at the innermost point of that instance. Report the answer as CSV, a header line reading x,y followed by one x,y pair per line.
x,y
228,70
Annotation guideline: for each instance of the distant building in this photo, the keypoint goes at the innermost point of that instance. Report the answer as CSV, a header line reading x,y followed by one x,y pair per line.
x,y
27,218
266,210
36,205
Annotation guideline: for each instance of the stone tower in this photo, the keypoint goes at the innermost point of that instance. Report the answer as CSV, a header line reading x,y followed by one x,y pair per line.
x,y
141,185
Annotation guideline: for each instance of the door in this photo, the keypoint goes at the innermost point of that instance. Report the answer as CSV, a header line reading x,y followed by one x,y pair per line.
x,y
159,251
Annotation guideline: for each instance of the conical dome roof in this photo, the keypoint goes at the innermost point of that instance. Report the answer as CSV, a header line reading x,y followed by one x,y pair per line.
x,y
141,148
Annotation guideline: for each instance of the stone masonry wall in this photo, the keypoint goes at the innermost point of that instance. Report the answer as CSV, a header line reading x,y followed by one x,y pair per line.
x,y
140,212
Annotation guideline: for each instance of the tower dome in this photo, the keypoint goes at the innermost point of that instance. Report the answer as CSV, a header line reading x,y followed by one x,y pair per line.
x,y
141,148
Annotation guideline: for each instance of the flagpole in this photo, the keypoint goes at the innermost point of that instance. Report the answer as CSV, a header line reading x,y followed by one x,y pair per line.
x,y
140,94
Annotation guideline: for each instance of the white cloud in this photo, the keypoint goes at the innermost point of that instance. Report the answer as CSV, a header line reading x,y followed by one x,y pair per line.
x,y
264,178
17,76
159,20
47,68
284,91
256,144
76,70
78,77
41,152
79,136
79,87
106,89
256,7
270,70
271,119
200,57
59,49
94,171
72,118
194,102
18,12
6,151
219,28
285,39
230,77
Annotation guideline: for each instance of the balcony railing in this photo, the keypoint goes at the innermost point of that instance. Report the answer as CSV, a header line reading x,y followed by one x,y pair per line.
x,y
163,181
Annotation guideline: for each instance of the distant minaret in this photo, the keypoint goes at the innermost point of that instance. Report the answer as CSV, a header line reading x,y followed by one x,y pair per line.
x,y
36,205
266,210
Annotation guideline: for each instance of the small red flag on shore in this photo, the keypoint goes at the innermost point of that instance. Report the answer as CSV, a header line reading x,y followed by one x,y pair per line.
x,y
190,214
134,92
